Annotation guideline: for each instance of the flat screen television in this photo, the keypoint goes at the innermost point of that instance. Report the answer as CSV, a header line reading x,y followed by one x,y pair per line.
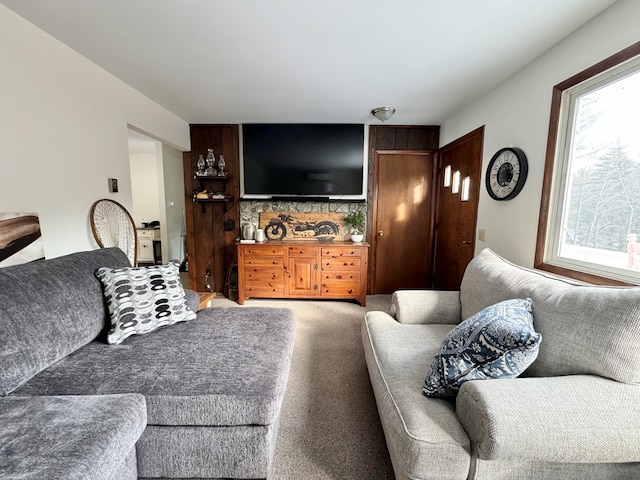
x,y
303,160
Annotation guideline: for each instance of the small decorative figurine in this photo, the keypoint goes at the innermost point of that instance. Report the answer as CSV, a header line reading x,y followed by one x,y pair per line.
x,y
211,160
201,163
221,166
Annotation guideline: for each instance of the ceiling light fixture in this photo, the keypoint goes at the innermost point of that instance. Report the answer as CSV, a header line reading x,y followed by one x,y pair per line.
x,y
383,113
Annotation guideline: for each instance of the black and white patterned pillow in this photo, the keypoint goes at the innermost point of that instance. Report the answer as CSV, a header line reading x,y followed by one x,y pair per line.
x,y
143,299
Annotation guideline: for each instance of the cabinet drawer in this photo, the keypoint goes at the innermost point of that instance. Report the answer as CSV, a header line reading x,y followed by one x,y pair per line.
x,y
262,288
340,288
262,250
303,250
341,252
341,263
150,234
263,274
339,277
264,261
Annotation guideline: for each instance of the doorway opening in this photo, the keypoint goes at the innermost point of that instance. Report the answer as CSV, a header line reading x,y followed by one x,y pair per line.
x,y
157,191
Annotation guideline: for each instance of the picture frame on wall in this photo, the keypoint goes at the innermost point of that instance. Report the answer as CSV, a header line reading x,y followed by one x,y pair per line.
x,y
20,239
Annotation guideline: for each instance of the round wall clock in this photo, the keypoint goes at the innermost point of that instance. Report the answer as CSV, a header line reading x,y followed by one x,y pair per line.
x,y
506,173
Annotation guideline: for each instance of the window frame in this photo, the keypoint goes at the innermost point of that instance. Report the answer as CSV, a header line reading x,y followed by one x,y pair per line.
x,y
555,148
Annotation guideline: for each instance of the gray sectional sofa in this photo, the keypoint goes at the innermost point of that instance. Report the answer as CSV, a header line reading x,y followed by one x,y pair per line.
x,y
197,399
573,414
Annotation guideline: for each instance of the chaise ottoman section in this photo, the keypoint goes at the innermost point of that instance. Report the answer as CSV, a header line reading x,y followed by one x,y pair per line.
x,y
214,387
70,437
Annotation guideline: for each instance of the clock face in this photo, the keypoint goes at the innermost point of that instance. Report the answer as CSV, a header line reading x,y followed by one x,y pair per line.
x,y
506,173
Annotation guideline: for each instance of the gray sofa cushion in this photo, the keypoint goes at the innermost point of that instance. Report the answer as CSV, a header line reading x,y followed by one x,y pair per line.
x,y
585,329
70,437
424,436
49,309
214,370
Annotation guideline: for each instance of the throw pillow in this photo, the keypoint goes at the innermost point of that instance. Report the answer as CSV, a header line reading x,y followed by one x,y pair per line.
x,y
497,342
143,299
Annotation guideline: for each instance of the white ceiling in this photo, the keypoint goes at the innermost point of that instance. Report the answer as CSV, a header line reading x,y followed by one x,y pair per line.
x,y
242,61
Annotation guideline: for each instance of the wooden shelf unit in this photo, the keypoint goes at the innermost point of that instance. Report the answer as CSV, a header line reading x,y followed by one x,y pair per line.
x,y
289,269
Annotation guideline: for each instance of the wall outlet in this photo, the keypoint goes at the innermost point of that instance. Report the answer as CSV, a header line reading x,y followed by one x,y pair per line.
x,y
481,234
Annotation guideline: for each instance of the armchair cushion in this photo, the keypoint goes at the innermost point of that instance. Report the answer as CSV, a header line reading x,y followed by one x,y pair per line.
x,y
497,342
586,329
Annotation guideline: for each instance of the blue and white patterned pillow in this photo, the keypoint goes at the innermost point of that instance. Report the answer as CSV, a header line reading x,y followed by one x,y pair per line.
x,y
497,342
143,299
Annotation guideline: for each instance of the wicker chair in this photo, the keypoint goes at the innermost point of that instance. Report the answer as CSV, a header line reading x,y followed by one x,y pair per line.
x,y
113,226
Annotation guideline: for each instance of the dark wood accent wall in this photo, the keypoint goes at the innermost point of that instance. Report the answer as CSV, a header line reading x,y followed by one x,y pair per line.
x,y
393,137
212,227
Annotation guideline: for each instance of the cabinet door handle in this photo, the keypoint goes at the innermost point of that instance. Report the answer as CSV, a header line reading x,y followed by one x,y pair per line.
x,y
380,233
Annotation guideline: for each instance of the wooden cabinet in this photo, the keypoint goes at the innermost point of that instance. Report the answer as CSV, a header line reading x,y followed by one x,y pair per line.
x,y
303,270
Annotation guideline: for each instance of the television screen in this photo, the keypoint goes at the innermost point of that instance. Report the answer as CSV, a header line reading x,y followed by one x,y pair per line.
x,y
325,160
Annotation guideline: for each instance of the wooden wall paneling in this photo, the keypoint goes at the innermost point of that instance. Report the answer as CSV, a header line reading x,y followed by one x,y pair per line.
x,y
214,246
188,212
401,139
232,157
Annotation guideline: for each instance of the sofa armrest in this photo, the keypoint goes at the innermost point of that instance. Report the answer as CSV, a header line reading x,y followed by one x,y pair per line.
x,y
192,299
578,418
426,306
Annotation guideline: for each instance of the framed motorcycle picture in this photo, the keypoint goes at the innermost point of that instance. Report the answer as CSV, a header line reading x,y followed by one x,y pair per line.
x,y
313,226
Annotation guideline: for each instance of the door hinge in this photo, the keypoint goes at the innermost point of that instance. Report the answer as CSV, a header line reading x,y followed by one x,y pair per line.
x,y
315,266
315,286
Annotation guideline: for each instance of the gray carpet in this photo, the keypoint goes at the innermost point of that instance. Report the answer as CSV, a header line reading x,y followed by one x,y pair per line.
x,y
329,427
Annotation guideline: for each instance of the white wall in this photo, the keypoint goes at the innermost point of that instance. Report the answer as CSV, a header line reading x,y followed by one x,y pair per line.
x,y
517,114
63,132
144,189
173,204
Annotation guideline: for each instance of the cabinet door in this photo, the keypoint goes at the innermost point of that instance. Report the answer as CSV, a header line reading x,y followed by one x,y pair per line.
x,y
145,250
303,276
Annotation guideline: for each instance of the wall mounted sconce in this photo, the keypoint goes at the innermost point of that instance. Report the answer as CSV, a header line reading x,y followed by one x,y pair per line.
x,y
455,186
383,113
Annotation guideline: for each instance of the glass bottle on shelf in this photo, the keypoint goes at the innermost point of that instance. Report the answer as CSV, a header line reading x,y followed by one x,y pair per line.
x,y
211,160
221,166
201,163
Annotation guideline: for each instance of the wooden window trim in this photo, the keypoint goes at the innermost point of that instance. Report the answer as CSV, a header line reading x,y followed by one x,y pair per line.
x,y
554,119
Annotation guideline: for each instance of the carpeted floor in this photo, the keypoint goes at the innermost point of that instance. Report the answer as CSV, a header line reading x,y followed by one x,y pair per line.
x,y
329,426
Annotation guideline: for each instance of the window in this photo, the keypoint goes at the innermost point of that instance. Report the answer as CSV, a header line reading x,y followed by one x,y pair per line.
x,y
590,215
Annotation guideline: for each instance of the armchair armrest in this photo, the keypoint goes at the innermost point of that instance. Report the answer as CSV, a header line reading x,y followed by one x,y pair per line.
x,y
577,418
426,306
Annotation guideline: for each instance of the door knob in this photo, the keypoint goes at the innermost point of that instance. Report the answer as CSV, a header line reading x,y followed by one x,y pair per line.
x,y
380,233
466,242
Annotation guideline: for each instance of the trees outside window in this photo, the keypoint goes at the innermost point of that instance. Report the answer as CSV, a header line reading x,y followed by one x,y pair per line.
x,y
590,215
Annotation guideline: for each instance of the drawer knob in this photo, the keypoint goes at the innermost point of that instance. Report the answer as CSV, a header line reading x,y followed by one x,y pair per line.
x,y
338,276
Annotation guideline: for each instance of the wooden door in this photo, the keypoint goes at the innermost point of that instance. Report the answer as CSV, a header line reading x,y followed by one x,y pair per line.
x,y
457,210
402,247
